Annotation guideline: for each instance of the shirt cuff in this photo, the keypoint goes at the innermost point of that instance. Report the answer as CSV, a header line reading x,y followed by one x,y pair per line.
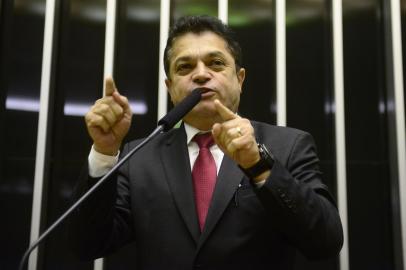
x,y
260,183
100,164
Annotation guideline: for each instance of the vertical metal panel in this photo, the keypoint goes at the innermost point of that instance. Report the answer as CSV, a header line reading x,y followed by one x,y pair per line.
x,y
223,10
280,61
395,15
98,264
110,38
42,128
256,28
340,126
109,46
163,36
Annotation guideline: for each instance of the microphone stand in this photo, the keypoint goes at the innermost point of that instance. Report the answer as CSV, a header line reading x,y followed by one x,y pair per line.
x,y
157,130
164,124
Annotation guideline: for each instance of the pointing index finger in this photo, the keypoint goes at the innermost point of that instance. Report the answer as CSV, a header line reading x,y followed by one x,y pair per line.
x,y
110,87
225,113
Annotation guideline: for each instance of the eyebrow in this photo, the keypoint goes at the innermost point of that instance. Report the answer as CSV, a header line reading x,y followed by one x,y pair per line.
x,y
210,54
182,59
217,53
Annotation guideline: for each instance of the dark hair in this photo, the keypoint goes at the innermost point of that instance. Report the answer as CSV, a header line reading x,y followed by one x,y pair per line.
x,y
199,24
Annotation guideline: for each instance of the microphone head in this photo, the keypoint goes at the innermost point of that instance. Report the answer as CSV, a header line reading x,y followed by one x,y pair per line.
x,y
180,110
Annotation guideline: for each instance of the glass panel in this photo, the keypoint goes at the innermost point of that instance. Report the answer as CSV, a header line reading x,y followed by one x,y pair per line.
x,y
181,8
78,83
253,22
368,175
403,26
137,52
21,35
136,65
309,88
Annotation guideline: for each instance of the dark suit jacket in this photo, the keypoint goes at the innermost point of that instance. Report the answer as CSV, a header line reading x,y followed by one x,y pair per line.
x,y
151,202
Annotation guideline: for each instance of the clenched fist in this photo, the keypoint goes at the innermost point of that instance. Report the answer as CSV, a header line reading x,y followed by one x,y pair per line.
x,y
109,120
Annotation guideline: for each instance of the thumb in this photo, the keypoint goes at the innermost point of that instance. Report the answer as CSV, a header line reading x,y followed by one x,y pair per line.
x,y
109,86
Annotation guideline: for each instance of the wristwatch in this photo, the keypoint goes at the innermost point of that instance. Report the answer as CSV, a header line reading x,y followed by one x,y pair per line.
x,y
265,163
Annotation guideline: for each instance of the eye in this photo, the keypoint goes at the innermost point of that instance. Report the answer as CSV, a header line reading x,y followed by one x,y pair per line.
x,y
217,62
182,67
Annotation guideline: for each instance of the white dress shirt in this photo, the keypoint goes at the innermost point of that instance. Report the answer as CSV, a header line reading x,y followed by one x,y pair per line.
x,y
100,164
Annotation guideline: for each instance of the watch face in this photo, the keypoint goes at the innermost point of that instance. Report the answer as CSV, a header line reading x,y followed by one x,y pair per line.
x,y
266,156
262,150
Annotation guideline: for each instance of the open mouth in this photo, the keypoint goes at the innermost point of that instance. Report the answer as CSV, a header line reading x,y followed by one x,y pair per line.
x,y
207,92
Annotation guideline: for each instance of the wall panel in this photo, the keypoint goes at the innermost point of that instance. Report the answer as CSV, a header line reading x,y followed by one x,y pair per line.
x,y
254,25
309,94
21,35
78,82
368,175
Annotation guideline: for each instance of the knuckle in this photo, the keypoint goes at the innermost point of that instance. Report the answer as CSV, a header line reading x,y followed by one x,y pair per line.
x,y
93,108
103,100
98,120
93,121
238,143
229,132
245,120
88,116
118,110
104,108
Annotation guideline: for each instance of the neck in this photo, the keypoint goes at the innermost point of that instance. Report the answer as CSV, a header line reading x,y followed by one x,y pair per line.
x,y
201,124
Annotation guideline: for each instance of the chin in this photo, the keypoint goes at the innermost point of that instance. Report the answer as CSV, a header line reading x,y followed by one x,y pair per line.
x,y
202,114
206,109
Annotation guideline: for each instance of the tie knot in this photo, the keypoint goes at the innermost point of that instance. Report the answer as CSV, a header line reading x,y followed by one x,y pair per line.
x,y
204,140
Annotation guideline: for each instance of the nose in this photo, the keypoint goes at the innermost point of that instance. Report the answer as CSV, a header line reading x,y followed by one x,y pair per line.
x,y
201,74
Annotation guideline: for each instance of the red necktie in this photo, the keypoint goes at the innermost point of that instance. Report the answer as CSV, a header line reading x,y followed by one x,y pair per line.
x,y
204,175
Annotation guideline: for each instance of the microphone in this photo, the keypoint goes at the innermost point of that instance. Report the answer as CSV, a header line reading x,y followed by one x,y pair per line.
x,y
164,124
177,113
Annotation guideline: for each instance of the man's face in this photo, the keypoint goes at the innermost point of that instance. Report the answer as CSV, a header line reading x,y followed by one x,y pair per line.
x,y
203,60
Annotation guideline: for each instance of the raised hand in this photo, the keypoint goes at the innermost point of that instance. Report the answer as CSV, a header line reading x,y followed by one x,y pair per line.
x,y
109,120
235,137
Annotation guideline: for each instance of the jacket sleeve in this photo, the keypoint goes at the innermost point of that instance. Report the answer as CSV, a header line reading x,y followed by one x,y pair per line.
x,y
300,204
103,223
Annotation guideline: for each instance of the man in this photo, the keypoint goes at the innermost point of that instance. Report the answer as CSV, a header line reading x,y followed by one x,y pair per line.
x,y
262,197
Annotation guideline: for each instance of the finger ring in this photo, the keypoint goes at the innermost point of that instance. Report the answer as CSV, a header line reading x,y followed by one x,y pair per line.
x,y
239,131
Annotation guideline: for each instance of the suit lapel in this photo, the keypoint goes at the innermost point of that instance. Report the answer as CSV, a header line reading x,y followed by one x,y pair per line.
x,y
227,183
175,159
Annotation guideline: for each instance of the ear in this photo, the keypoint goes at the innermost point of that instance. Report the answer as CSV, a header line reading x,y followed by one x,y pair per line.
x,y
241,76
168,84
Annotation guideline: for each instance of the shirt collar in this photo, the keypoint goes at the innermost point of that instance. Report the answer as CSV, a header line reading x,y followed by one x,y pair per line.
x,y
192,131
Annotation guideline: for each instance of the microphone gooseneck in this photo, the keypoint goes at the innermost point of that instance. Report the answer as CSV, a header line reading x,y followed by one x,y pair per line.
x,y
180,110
164,124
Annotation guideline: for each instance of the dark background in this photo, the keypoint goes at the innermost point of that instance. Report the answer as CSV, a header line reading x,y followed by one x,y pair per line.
x,y
373,220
